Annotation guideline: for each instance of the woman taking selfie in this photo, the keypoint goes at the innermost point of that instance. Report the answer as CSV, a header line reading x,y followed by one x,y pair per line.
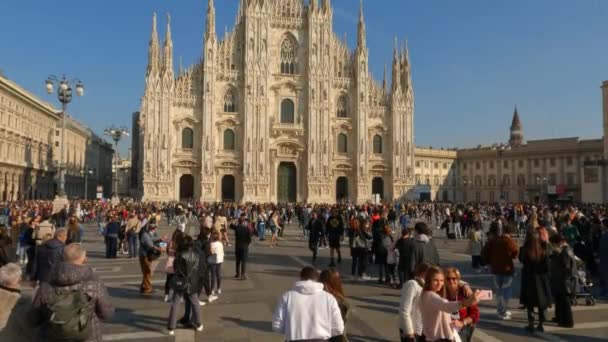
x,y
436,310
465,319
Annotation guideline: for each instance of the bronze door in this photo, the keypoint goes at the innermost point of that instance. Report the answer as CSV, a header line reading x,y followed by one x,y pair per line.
x,y
287,183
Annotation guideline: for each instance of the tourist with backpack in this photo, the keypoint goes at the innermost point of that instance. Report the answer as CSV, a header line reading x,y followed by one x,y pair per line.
x,y
185,284
70,306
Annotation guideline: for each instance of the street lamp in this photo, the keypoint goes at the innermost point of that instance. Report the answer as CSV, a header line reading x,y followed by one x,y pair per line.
x,y
64,94
500,150
116,133
86,174
541,181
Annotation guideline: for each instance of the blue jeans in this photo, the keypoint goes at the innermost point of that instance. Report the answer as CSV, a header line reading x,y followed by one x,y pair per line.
x,y
261,230
133,242
504,290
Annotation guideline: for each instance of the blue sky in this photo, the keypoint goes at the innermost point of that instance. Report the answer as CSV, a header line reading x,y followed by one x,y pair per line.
x,y
473,60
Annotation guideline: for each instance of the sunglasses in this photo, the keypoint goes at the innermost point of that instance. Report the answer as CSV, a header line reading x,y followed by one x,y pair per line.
x,y
452,278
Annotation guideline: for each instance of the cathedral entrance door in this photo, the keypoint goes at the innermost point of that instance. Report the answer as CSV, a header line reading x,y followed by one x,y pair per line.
x,y
287,183
341,189
186,187
378,186
228,192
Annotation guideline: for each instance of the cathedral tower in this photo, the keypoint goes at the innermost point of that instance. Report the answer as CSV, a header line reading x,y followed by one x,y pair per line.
x,y
517,134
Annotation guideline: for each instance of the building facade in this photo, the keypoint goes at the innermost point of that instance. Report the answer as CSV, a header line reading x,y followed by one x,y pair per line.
x,y
569,169
30,140
279,110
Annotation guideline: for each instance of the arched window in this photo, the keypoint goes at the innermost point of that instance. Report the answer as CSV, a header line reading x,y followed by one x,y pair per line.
x,y
342,143
229,101
377,143
288,57
341,107
287,111
187,138
229,141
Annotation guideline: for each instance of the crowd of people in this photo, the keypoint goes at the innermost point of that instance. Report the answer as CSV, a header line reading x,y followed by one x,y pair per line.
x,y
391,241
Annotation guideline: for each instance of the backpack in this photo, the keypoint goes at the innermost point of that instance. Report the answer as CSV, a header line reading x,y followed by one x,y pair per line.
x,y
180,282
70,315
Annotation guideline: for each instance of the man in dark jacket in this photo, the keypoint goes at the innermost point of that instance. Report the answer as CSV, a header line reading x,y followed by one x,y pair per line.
x,y
405,246
316,229
49,255
424,249
242,236
111,237
335,234
72,274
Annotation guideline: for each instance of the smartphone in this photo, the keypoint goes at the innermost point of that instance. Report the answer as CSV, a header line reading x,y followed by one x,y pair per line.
x,y
485,295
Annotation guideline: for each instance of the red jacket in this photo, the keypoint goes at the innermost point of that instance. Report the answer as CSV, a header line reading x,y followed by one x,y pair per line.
x,y
471,311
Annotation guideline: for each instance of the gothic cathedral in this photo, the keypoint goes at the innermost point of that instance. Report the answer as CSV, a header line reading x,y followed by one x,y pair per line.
x,y
278,110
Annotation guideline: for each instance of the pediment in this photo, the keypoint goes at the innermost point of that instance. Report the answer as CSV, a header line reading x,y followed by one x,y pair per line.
x,y
185,163
343,167
288,144
286,84
228,122
378,127
378,167
230,164
189,119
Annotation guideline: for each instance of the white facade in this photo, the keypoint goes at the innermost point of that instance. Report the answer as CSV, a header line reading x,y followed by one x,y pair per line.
x,y
278,110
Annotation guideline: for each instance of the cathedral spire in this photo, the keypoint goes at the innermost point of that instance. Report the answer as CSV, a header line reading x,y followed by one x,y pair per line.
x,y
210,29
326,6
168,50
396,67
153,49
361,30
384,80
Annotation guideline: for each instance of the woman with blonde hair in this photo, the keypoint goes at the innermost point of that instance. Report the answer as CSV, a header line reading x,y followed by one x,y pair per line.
x,y
436,310
465,319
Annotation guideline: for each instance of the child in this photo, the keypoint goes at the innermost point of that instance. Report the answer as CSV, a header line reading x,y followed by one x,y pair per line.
x,y
215,262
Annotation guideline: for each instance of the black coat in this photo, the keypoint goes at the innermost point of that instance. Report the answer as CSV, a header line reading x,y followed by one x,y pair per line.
x,y
242,236
48,255
317,230
563,271
535,281
186,264
406,253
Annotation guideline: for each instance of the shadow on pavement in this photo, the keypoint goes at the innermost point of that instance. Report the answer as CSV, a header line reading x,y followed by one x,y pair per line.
x,y
359,338
264,326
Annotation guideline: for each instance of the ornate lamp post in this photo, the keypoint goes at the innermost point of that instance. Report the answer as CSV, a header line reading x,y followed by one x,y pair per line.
x,y
86,174
64,94
116,133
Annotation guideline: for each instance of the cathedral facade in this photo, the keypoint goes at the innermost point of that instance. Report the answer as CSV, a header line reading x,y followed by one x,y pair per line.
x,y
278,110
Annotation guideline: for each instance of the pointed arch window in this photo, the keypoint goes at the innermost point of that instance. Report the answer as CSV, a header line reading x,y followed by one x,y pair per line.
x,y
377,143
230,101
287,111
288,57
342,143
342,107
187,138
229,140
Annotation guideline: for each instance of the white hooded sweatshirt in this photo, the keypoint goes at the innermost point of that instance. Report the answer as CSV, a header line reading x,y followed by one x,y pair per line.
x,y
307,312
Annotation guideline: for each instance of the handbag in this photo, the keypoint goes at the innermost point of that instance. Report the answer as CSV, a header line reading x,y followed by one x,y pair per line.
x,y
153,254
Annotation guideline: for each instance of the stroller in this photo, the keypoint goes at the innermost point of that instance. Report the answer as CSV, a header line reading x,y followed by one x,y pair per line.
x,y
583,286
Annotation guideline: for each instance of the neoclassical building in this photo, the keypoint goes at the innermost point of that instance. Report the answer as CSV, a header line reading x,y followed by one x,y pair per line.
x,y
278,109
30,140
566,169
